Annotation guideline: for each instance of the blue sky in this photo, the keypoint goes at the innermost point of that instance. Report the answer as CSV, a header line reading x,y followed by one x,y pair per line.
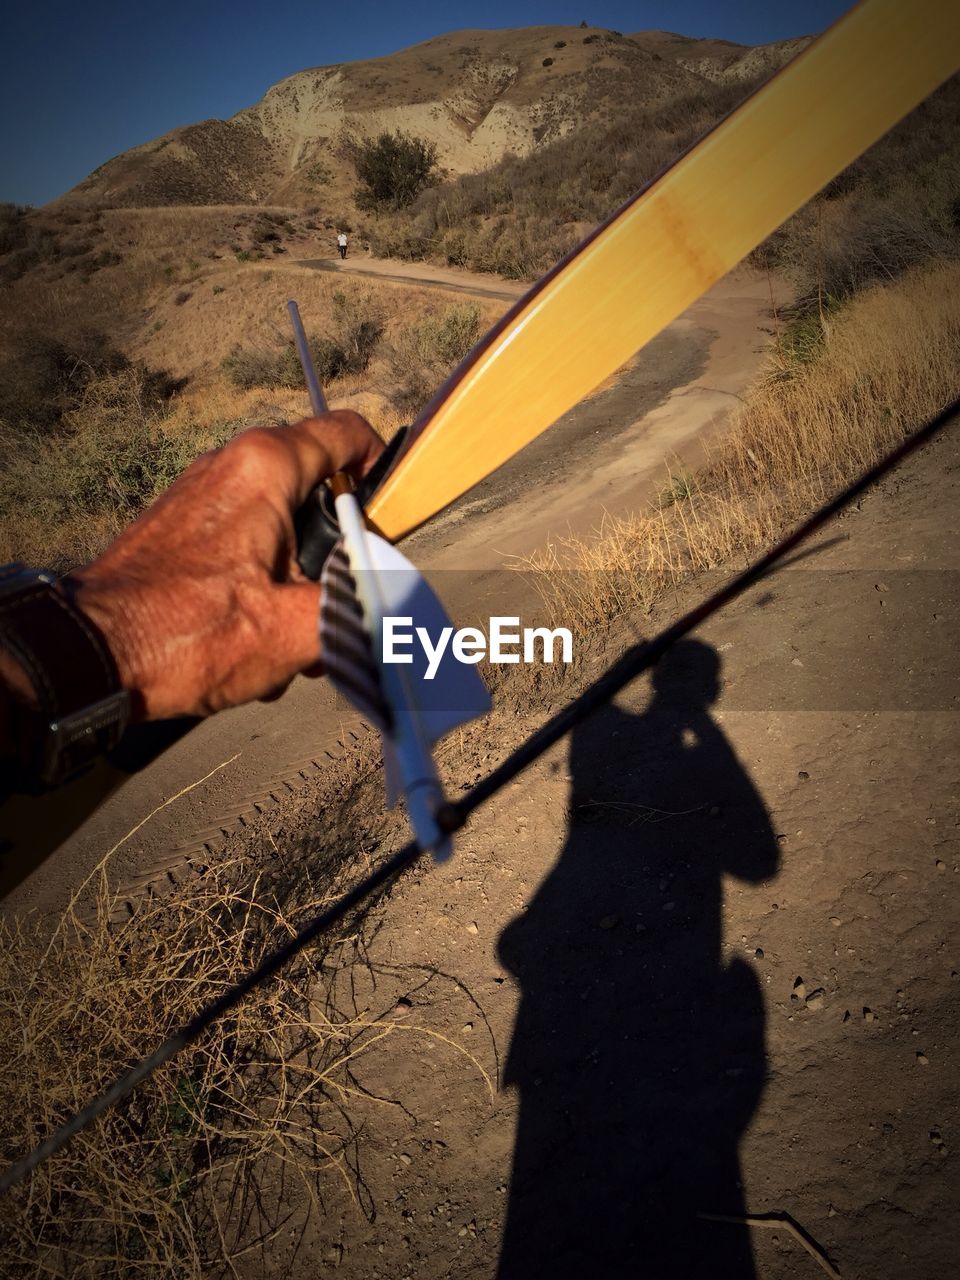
x,y
82,81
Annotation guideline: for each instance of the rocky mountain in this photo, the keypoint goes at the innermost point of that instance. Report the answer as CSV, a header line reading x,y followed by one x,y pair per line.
x,y
475,94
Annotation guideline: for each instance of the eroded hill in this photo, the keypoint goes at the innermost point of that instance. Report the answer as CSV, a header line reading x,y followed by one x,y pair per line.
x,y
476,95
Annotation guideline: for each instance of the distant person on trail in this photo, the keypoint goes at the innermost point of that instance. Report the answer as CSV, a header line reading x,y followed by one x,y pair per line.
x,y
198,606
342,243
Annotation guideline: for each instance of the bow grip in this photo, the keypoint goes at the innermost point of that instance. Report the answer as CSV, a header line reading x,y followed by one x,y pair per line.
x,y
315,523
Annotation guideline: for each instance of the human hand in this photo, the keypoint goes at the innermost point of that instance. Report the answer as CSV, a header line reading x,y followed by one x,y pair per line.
x,y
201,599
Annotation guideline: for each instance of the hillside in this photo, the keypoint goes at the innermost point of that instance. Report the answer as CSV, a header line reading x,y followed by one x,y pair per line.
x,y
476,95
184,302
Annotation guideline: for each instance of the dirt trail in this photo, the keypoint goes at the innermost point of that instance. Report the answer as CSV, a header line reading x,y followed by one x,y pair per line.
x,y
608,453
390,271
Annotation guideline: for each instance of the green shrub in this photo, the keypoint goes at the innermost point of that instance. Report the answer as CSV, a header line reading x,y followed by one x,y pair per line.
x,y
446,338
329,358
393,169
318,175
247,368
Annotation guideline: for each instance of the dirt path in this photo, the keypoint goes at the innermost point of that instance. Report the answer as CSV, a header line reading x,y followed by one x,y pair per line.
x,y
389,271
608,453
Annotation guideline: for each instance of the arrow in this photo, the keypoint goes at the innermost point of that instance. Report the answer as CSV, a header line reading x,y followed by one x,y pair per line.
x,y
367,582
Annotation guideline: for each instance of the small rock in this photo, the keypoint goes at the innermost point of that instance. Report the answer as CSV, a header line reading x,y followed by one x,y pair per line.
x,y
941,867
405,1159
402,1007
466,1028
472,927
936,1137
759,953
333,1255
869,1015
795,662
815,999
799,990
881,586
669,906
922,1059
846,1016
836,921
803,775
609,922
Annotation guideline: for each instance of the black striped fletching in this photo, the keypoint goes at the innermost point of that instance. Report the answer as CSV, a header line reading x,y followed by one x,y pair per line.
x,y
346,649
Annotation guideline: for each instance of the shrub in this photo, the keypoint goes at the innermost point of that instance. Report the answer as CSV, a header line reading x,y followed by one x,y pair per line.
x,y
446,338
183,296
110,459
561,44
44,378
392,168
329,358
318,175
427,352
263,230
246,369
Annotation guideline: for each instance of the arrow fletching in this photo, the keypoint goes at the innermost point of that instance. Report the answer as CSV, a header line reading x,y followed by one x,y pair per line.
x,y
368,584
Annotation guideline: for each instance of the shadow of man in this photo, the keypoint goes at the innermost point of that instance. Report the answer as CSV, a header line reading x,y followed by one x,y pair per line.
x,y
638,1052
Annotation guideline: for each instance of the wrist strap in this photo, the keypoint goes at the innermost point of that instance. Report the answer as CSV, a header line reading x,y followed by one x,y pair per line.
x,y
82,709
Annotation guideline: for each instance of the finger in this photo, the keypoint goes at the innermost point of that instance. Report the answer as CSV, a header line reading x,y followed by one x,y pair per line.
x,y
339,441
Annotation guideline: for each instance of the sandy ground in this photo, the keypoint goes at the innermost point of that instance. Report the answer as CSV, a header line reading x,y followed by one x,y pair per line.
x,y
706,954
612,452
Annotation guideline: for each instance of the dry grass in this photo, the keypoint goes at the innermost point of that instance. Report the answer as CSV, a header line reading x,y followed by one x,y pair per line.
x,y
81,456
886,361
65,494
152,1188
206,1161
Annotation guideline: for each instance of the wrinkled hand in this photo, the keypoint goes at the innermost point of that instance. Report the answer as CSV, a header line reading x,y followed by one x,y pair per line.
x,y
201,600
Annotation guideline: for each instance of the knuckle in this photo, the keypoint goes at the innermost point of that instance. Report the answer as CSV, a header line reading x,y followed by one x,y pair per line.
x,y
250,456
